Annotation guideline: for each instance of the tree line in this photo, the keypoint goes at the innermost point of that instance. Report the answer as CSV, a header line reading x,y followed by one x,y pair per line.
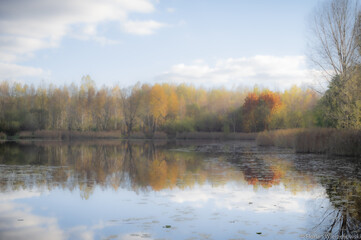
x,y
151,108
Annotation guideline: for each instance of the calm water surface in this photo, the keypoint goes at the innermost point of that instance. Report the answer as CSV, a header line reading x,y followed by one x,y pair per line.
x,y
179,190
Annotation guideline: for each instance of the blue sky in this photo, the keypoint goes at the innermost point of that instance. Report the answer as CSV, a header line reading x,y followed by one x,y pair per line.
x,y
201,42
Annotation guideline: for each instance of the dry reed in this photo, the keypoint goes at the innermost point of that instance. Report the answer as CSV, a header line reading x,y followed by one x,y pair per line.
x,y
216,136
284,138
58,134
315,140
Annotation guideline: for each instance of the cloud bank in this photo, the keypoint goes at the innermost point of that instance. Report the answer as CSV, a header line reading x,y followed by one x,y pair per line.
x,y
265,71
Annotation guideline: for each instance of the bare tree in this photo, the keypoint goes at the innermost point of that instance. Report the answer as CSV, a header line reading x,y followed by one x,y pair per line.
x,y
333,42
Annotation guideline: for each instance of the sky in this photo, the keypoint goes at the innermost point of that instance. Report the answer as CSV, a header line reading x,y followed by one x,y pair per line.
x,y
206,43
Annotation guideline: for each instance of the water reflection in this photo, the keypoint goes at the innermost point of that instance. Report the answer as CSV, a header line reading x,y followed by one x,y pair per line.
x,y
176,183
138,165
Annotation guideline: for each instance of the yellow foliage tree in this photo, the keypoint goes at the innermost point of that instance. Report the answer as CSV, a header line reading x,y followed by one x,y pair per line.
x,y
158,104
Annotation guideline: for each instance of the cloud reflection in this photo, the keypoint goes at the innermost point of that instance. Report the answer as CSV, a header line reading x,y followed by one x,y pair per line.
x,y
18,222
244,197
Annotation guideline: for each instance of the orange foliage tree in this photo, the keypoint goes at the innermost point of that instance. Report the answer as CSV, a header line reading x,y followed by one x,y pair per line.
x,y
258,109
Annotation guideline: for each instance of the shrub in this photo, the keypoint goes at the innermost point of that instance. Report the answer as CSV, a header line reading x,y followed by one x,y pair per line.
x,y
2,135
26,134
159,135
137,135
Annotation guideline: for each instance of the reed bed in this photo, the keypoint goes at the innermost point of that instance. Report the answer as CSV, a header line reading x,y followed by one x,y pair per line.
x,y
315,140
284,138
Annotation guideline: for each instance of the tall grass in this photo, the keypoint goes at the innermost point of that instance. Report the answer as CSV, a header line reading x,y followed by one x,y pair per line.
x,y
284,138
316,140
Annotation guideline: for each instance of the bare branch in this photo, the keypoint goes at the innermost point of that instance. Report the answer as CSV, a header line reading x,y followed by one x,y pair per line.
x,y
334,37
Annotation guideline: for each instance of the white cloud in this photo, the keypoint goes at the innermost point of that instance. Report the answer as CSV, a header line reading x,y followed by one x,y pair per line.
x,y
171,10
135,236
28,26
142,27
267,71
9,196
10,71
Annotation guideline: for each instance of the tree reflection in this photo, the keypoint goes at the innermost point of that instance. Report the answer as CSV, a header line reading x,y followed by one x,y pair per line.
x,y
343,218
137,165
84,165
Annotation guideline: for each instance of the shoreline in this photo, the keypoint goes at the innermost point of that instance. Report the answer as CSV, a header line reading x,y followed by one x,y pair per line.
x,y
313,140
116,135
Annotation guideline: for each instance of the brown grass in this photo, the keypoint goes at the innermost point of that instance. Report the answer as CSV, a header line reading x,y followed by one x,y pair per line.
x,y
160,135
316,140
25,134
346,142
284,138
137,135
55,134
100,134
241,136
216,136
49,134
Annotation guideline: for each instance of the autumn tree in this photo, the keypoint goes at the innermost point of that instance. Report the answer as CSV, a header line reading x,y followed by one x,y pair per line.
x,y
158,105
249,112
130,101
173,105
269,103
296,110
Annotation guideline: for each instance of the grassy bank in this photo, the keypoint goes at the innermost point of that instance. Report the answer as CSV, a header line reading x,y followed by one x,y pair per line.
x,y
317,140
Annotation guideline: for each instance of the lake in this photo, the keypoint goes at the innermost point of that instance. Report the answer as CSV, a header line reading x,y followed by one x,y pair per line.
x,y
174,190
